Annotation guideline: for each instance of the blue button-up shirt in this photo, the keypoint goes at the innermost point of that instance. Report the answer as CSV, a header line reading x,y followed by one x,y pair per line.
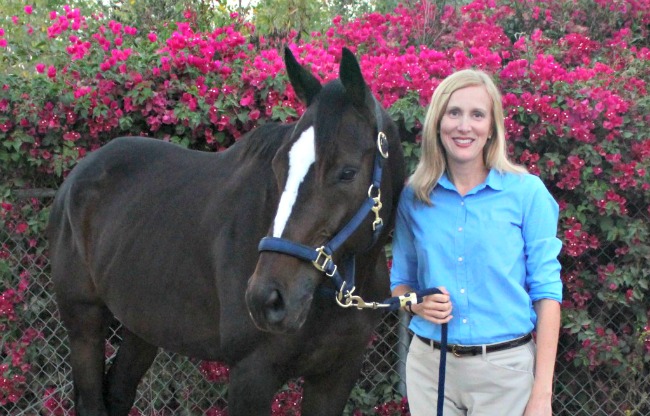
x,y
495,250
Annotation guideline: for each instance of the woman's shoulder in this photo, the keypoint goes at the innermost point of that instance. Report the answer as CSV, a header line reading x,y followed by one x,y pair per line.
x,y
527,187
523,180
408,195
407,191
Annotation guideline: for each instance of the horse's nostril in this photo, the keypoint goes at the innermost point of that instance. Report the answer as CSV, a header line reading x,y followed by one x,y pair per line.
x,y
274,307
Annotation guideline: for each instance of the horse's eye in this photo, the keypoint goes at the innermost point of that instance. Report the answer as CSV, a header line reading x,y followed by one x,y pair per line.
x,y
347,175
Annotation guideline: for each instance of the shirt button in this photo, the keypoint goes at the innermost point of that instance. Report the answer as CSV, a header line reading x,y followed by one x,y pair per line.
x,y
464,321
462,291
460,259
462,202
460,229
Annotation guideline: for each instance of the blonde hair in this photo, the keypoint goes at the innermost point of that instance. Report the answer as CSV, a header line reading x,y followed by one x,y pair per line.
x,y
433,161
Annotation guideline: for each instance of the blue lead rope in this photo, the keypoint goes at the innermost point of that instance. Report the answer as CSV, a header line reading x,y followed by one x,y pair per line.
x,y
442,369
414,298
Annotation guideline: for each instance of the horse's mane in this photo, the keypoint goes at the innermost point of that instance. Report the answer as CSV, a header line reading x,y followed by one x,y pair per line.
x,y
264,142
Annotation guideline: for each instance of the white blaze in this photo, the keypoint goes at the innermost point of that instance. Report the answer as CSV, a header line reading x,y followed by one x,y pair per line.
x,y
301,156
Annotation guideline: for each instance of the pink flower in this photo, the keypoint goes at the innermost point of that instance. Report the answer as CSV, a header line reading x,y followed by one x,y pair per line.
x,y
51,72
28,9
40,68
21,227
152,37
3,43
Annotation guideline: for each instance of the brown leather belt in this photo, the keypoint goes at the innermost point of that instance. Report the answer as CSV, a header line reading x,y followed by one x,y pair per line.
x,y
461,350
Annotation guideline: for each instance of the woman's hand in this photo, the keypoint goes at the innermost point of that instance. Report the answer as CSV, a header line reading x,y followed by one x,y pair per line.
x,y
435,308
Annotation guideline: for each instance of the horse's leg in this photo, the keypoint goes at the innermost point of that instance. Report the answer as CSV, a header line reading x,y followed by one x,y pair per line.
x,y
327,394
251,388
87,326
134,357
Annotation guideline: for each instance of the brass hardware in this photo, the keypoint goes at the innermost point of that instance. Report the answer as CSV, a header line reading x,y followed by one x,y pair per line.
x,y
382,144
348,300
322,256
377,207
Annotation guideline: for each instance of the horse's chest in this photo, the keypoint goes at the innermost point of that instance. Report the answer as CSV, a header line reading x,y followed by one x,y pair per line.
x,y
337,343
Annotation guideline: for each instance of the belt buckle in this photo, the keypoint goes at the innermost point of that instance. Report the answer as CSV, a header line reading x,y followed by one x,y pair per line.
x,y
454,351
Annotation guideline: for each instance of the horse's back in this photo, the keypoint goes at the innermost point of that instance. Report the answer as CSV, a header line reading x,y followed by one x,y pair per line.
x,y
141,226
122,183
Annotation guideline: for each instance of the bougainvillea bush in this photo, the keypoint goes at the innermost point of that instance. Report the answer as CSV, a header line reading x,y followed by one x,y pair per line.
x,y
574,75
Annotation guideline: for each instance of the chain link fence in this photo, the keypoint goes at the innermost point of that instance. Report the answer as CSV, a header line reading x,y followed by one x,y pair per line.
x,y
178,385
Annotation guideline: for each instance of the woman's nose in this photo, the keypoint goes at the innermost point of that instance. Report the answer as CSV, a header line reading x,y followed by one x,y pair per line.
x,y
463,124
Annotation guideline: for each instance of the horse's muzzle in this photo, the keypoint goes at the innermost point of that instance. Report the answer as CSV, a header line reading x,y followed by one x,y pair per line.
x,y
274,308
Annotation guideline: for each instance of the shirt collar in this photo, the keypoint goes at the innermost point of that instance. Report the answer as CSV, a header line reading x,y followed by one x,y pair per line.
x,y
494,180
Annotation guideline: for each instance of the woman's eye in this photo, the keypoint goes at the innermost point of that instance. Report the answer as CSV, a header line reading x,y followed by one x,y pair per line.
x,y
348,175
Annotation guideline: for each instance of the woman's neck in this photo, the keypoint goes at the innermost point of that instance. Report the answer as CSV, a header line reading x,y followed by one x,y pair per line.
x,y
466,178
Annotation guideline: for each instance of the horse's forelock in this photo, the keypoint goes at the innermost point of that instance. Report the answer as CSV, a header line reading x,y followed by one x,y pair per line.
x,y
314,141
331,105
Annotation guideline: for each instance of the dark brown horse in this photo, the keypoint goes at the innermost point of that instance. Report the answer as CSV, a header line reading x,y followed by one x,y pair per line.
x,y
165,240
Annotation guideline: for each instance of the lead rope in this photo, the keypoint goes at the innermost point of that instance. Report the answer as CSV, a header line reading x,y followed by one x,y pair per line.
x,y
442,369
347,300
414,298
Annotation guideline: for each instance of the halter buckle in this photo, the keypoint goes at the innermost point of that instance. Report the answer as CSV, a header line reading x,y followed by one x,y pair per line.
x,y
322,260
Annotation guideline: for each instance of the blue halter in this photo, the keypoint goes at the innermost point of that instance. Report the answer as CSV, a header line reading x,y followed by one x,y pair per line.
x,y
321,257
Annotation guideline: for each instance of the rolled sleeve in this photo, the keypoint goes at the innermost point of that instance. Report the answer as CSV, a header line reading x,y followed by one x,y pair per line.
x,y
542,246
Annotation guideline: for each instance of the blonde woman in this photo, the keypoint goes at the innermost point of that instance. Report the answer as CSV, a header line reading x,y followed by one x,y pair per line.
x,y
483,230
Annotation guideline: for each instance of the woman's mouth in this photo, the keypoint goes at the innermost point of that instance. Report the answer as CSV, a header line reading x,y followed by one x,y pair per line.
x,y
463,141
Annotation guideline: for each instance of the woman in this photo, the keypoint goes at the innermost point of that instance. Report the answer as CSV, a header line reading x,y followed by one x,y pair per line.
x,y
483,230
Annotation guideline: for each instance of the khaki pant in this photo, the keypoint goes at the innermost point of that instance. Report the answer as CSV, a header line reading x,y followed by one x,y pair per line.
x,y
492,384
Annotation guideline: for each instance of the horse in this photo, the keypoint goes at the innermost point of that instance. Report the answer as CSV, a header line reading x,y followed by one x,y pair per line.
x,y
233,256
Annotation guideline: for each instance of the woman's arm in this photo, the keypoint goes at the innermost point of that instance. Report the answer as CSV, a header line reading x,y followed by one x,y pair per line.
x,y
548,333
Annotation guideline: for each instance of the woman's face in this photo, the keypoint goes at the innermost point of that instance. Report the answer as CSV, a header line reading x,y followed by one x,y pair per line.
x,y
466,125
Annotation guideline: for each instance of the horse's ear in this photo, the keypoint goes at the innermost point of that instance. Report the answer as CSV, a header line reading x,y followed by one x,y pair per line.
x,y
352,80
304,83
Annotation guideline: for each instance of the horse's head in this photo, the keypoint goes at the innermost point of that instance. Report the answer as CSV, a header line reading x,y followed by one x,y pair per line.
x,y
342,164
